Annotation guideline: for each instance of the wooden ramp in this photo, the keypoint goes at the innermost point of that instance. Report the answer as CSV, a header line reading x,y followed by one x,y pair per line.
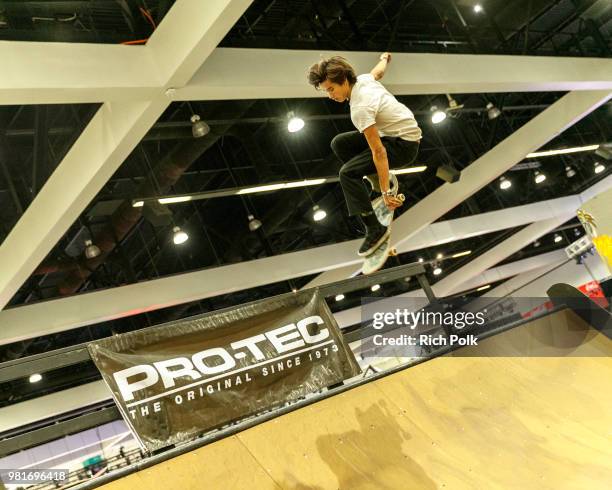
x,y
452,422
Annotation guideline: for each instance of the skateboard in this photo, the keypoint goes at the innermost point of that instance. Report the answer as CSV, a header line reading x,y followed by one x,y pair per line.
x,y
382,212
374,261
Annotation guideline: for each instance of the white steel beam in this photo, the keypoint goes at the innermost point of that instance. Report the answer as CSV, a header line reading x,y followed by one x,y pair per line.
x,y
501,272
454,282
52,405
47,73
454,230
107,140
178,47
58,315
71,73
511,286
237,73
353,316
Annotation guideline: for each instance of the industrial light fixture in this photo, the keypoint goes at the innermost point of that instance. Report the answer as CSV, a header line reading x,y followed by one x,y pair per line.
x,y
437,270
295,123
304,183
452,104
35,378
281,185
558,238
536,244
539,177
318,213
339,297
569,171
437,115
562,151
409,170
375,288
198,127
482,288
599,167
420,260
174,200
439,256
254,223
492,111
91,251
576,232
505,183
461,254
477,8
179,236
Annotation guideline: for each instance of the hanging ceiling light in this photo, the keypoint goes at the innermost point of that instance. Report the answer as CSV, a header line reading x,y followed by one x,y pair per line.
x,y
437,270
439,256
482,288
576,232
35,378
318,213
199,128
254,223
505,183
539,177
453,105
477,8
599,167
492,111
339,297
536,244
179,236
558,238
420,260
295,123
91,251
569,171
437,115
375,288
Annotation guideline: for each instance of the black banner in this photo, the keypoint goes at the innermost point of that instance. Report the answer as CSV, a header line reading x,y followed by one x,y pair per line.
x,y
175,381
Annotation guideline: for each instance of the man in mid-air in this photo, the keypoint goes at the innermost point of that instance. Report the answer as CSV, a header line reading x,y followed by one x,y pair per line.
x,y
390,138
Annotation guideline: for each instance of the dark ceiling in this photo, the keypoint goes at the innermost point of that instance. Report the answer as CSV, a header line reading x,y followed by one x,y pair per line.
x,y
249,144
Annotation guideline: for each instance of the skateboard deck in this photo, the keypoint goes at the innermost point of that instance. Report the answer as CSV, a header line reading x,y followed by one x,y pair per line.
x,y
382,212
377,259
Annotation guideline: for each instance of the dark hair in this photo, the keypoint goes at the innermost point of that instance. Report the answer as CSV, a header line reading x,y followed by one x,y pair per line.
x,y
336,69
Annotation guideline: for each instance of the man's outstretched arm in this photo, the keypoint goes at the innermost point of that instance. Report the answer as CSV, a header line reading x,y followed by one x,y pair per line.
x,y
379,70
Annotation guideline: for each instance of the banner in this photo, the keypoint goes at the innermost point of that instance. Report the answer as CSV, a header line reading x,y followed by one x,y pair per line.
x,y
176,381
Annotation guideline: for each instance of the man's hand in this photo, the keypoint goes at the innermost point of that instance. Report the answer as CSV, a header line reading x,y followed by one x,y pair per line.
x,y
379,70
392,202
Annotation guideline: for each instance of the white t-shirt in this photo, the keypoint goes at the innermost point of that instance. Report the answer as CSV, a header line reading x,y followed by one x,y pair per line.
x,y
371,103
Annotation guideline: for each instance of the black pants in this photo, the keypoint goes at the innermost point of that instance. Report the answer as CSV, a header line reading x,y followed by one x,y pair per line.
x,y
353,151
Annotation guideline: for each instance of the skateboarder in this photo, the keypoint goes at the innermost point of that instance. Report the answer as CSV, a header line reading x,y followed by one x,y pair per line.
x,y
387,137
